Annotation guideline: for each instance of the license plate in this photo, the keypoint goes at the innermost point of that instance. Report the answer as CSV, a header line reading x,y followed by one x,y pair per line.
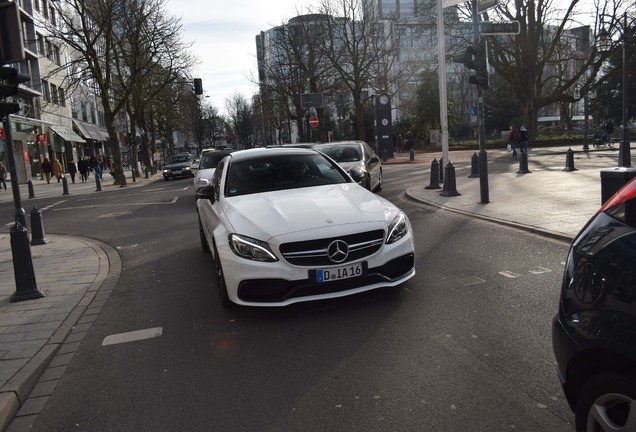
x,y
339,273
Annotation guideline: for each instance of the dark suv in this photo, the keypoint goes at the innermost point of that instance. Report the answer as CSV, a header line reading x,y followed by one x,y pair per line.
x,y
178,166
594,332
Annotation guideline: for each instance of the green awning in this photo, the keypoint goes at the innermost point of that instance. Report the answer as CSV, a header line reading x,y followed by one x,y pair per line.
x,y
66,133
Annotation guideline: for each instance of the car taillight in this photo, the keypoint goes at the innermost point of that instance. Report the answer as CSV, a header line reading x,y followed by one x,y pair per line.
x,y
626,193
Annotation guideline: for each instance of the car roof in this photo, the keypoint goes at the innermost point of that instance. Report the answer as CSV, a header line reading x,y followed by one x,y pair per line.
x,y
254,153
338,143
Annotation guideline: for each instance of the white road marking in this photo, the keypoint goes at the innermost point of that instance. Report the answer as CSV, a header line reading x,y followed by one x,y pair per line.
x,y
540,270
127,247
473,280
132,336
509,274
174,200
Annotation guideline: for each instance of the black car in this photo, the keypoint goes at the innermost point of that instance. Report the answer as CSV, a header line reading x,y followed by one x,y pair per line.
x,y
594,331
178,166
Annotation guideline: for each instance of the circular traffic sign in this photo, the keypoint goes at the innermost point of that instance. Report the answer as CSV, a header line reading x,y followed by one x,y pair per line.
x,y
313,121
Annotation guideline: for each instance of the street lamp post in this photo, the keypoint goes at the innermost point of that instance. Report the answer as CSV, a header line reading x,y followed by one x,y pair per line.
x,y
604,42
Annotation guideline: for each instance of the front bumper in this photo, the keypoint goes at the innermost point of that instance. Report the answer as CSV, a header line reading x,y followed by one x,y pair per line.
x,y
252,283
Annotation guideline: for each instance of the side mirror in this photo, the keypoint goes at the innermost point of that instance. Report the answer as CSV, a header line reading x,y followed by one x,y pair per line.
x,y
206,192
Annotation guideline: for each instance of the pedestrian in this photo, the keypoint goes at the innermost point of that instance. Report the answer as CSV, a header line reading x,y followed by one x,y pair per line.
x,y
3,176
57,170
82,167
47,169
72,169
609,128
513,140
524,137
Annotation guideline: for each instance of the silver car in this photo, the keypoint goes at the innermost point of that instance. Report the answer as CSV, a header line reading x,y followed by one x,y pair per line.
x,y
358,159
207,166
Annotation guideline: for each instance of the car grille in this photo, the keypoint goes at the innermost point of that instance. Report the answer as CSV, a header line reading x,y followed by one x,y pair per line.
x,y
278,290
314,252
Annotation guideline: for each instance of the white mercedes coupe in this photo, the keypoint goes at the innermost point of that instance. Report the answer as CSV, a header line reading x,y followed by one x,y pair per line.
x,y
286,225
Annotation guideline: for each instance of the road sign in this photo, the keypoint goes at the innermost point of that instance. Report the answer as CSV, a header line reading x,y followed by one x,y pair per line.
x,y
1,133
498,28
313,121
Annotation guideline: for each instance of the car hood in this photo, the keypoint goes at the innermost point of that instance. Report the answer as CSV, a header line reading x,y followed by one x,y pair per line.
x,y
348,165
332,208
178,165
206,173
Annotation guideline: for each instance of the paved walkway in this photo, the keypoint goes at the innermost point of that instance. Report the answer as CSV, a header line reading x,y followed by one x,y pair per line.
x,y
38,337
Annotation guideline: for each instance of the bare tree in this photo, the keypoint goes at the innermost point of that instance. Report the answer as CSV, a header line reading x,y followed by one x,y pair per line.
x,y
542,63
241,119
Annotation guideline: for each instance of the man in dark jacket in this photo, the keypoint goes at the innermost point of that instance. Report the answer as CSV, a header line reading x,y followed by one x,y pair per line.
x,y
47,169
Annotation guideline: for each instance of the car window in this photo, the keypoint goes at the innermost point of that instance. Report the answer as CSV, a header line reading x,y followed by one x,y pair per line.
x,y
179,159
211,159
280,172
346,153
216,179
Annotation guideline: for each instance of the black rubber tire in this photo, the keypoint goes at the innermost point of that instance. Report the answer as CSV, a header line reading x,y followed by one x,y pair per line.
x,y
379,186
166,178
611,394
220,281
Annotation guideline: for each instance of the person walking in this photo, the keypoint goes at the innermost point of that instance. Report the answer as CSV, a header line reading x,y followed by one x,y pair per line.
x,y
513,140
47,169
57,169
609,129
3,176
524,137
82,167
72,169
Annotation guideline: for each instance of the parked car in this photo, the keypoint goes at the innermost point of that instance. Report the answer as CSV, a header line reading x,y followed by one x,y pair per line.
x,y
287,225
359,159
207,166
178,166
594,331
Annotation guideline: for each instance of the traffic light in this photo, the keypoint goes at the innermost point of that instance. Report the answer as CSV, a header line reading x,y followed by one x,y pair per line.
x,y
480,64
467,58
10,78
198,86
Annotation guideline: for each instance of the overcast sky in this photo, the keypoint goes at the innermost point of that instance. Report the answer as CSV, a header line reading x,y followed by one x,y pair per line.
x,y
223,35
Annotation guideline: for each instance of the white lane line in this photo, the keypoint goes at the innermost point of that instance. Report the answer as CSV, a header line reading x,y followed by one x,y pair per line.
x,y
509,274
474,280
132,336
174,200
540,270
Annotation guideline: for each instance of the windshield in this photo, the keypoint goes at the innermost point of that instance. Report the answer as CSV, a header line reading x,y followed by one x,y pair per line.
x,y
211,159
342,153
279,172
179,159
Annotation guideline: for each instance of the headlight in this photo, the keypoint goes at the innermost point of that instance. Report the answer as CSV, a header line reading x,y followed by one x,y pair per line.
x,y
202,182
166,171
397,228
251,249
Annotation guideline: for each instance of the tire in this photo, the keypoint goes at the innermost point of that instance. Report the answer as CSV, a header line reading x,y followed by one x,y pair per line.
x,y
204,242
607,402
367,182
220,282
166,178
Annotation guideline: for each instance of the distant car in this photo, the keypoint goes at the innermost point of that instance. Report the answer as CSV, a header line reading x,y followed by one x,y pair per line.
x,y
359,159
287,225
178,166
207,166
594,331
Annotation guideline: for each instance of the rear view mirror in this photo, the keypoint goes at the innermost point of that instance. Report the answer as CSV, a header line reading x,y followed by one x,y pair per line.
x,y
206,192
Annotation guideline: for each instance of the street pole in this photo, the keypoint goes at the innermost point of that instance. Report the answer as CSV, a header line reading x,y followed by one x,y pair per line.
x,y
483,155
586,147
441,67
624,157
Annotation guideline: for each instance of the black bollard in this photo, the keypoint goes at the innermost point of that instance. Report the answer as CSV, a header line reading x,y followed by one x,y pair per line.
x,y
441,170
523,164
25,286
64,186
134,178
450,187
146,173
474,166
569,160
122,180
434,184
31,191
37,229
98,184
412,155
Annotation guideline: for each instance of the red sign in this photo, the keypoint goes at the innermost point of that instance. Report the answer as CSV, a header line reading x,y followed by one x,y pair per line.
x,y
313,121
1,133
25,155
41,138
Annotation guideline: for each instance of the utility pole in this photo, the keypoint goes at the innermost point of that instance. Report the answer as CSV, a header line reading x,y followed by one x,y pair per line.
x,y
483,155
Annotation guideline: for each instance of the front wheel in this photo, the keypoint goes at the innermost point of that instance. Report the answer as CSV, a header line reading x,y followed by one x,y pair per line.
x,y
607,403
